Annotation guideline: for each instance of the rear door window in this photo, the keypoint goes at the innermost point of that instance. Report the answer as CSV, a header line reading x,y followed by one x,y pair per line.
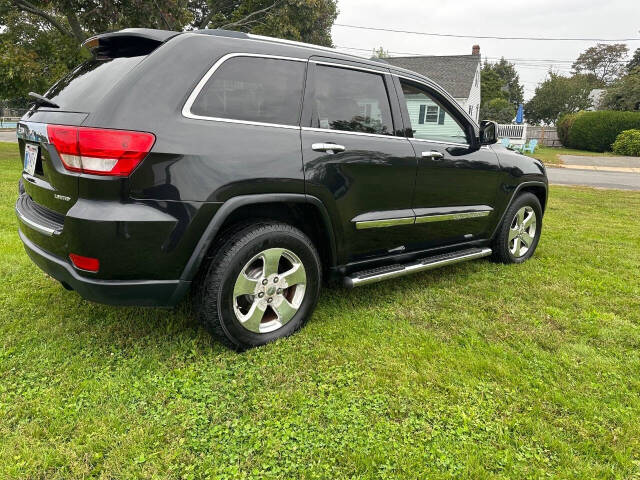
x,y
83,88
255,89
351,100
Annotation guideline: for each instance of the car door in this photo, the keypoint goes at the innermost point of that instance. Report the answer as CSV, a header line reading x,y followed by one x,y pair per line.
x,y
356,158
457,180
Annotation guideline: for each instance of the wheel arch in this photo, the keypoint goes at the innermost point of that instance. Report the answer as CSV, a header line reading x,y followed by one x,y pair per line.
x,y
303,211
538,188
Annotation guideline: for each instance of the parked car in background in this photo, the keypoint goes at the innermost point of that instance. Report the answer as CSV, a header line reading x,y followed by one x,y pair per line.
x,y
248,169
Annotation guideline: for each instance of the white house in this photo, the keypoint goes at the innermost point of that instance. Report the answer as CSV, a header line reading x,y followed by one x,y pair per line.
x,y
457,74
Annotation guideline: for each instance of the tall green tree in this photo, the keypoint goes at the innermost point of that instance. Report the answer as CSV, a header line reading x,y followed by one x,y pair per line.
x,y
604,61
624,94
499,81
499,110
558,95
635,61
491,85
48,33
510,80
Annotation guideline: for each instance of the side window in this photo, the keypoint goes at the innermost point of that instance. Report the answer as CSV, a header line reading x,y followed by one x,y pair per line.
x,y
254,89
351,100
429,118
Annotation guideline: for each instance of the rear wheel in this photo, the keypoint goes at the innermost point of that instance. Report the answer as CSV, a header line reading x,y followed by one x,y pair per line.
x,y
519,234
261,284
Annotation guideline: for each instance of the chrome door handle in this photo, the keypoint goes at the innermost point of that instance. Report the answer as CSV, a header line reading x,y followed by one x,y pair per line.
x,y
433,154
327,147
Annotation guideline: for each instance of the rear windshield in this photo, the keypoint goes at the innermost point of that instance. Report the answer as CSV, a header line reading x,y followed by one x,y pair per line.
x,y
84,87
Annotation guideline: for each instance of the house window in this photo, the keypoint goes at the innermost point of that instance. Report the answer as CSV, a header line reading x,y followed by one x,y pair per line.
x,y
432,114
428,114
471,110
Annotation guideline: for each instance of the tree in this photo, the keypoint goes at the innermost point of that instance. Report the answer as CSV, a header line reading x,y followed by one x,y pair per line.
x,y
625,92
50,32
510,80
499,110
380,53
491,86
604,62
558,95
635,61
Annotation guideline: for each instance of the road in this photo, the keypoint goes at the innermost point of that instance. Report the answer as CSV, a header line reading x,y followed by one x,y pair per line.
x,y
8,136
591,178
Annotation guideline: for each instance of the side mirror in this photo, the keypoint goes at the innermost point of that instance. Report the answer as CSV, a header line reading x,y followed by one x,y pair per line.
x,y
488,132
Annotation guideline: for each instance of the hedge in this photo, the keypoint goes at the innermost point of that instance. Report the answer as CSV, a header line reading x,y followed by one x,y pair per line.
x,y
628,143
563,125
596,131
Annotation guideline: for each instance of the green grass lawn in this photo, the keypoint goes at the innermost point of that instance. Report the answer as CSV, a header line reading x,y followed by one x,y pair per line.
x,y
473,371
549,155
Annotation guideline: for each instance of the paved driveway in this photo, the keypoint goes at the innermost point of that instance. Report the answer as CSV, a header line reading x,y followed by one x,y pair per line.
x,y
592,178
9,136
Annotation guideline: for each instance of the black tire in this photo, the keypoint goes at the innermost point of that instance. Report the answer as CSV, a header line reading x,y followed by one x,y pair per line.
x,y
214,299
500,244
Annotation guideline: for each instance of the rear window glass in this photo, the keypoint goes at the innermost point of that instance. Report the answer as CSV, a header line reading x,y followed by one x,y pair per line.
x,y
253,89
84,87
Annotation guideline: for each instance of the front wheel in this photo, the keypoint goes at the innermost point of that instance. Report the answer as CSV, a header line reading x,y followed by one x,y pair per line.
x,y
519,233
261,284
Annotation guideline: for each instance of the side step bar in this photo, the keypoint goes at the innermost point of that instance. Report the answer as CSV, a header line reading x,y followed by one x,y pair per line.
x,y
366,277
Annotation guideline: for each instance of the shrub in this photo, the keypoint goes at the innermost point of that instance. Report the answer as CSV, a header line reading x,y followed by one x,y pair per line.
x,y
596,131
563,125
627,143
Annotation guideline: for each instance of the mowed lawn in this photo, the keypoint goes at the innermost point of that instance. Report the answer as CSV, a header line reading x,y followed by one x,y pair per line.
x,y
551,155
473,371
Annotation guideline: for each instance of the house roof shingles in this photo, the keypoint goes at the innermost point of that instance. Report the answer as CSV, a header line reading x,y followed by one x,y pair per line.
x,y
454,73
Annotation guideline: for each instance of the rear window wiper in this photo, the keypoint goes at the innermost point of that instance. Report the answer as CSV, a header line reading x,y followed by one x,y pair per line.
x,y
44,101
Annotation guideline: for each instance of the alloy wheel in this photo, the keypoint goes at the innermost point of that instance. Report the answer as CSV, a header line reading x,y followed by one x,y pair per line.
x,y
522,231
269,290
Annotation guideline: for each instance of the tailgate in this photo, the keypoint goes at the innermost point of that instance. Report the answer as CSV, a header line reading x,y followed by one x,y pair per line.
x,y
50,184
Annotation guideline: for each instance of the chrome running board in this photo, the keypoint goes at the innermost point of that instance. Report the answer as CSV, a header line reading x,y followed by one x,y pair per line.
x,y
366,277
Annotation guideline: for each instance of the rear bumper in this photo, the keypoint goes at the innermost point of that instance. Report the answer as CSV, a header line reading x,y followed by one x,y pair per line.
x,y
161,293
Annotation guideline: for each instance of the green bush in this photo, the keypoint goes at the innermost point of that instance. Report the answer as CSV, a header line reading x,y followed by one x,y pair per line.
x,y
563,125
596,131
627,143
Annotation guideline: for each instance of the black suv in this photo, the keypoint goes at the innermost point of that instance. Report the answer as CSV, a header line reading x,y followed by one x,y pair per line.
x,y
248,168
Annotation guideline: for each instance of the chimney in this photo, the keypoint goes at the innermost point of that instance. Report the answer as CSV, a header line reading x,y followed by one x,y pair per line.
x,y
475,50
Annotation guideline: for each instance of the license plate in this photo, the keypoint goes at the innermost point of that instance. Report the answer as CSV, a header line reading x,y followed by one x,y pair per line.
x,y
30,158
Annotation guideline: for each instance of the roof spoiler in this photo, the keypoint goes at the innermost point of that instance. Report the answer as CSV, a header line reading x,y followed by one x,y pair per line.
x,y
129,42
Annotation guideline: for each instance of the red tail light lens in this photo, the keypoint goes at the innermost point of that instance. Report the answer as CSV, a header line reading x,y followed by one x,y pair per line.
x,y
100,151
85,263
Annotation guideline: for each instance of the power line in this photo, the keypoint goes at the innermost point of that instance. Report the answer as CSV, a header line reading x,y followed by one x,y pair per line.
x,y
557,39
516,60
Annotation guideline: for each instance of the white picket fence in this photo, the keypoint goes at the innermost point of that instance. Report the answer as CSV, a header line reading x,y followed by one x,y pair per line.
x,y
8,122
517,134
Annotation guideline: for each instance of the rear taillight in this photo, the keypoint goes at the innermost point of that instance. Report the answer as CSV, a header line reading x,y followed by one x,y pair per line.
x,y
100,151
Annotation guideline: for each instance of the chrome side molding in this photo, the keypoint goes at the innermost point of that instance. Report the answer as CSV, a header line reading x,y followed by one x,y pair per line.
x,y
387,222
452,216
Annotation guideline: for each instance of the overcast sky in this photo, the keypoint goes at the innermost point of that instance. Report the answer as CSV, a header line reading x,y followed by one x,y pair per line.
x,y
538,18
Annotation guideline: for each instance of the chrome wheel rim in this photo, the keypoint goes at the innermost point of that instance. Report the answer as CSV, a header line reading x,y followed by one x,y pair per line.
x,y
522,231
269,290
